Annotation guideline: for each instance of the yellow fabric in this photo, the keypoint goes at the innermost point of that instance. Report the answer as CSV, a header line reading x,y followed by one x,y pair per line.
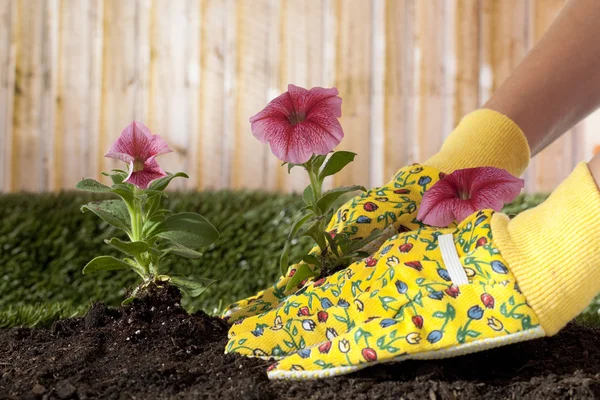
x,y
393,205
401,301
484,138
554,250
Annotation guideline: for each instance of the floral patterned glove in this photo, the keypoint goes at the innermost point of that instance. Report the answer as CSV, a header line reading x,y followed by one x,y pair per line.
x,y
411,296
392,206
483,138
439,293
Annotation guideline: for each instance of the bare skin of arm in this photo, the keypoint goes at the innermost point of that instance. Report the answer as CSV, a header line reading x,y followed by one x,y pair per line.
x,y
558,82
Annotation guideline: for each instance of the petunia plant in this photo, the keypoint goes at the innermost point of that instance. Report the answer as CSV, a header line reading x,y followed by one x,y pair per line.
x,y
153,232
302,128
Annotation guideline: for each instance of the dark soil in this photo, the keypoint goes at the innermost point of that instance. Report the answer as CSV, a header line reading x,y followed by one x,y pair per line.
x,y
154,349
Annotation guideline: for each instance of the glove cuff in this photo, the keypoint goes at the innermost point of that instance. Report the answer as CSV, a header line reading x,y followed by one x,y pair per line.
x,y
554,250
484,138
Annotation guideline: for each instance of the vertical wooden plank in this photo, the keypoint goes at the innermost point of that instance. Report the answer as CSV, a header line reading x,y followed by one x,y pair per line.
x,y
125,59
301,64
329,41
210,142
7,74
250,156
554,163
76,96
377,156
170,105
430,76
274,173
33,102
230,104
353,80
399,117
504,41
467,36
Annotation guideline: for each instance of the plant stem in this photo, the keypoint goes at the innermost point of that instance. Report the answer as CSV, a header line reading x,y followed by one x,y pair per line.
x,y
315,184
135,213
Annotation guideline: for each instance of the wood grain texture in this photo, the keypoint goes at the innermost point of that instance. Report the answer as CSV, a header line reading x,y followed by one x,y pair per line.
x,y
430,72
399,102
467,32
74,73
210,149
7,83
33,95
77,93
252,51
125,66
173,84
353,80
301,44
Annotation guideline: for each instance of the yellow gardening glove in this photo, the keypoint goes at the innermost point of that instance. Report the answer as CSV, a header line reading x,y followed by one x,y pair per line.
x,y
441,293
483,138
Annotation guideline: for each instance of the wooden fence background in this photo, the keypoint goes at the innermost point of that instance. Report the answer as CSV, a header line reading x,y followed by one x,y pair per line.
x,y
73,73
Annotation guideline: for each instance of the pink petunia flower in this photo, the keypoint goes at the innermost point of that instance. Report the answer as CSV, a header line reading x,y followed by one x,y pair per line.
x,y
465,191
300,123
138,147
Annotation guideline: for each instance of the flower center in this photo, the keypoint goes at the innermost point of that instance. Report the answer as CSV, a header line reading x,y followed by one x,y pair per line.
x,y
138,165
296,117
464,195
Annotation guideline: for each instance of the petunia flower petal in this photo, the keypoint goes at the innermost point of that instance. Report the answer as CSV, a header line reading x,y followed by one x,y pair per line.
x,y
465,191
143,178
138,147
300,123
494,187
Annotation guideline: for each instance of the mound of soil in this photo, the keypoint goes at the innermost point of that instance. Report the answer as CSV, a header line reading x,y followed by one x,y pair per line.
x,y
153,349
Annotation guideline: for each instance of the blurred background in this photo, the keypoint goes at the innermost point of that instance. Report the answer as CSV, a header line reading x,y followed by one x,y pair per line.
x,y
73,73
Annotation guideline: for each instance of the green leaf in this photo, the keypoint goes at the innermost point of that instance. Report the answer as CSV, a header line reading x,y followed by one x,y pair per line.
x,y
187,229
450,311
191,287
118,176
123,190
317,161
285,254
332,195
290,166
152,204
182,252
336,163
92,185
130,248
151,224
105,263
308,196
357,244
162,183
150,192
112,211
473,334
302,272
310,259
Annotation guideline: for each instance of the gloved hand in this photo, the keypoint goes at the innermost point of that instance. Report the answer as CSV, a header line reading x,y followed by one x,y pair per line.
x,y
440,293
483,137
392,206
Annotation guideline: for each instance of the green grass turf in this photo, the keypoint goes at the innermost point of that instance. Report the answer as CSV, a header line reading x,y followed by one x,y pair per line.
x,y
45,241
